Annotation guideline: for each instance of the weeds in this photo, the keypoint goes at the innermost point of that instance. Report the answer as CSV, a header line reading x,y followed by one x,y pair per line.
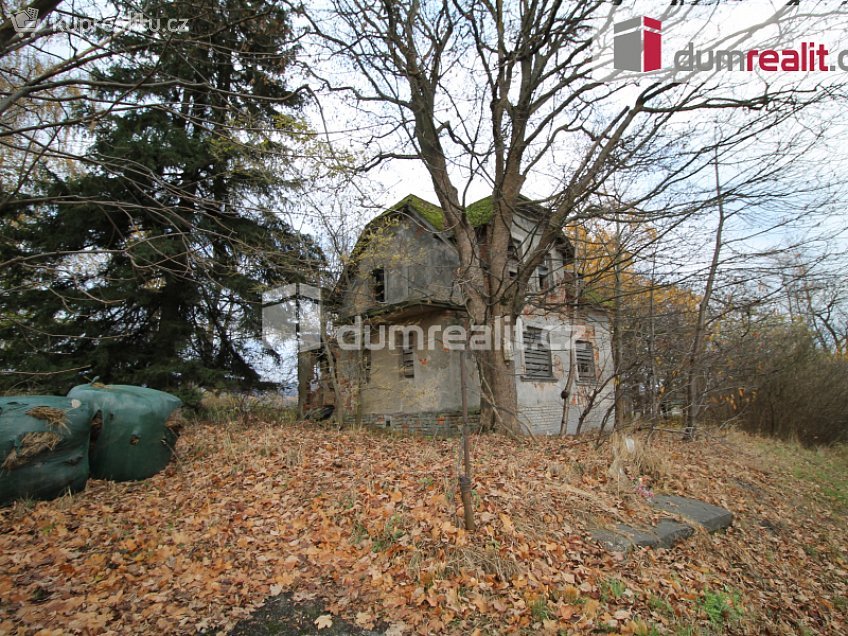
x,y
392,531
660,605
246,410
612,589
827,468
359,534
644,629
722,607
632,457
539,609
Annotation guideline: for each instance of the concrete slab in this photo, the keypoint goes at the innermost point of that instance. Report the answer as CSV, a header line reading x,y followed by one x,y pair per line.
x,y
624,538
670,532
612,541
667,532
710,517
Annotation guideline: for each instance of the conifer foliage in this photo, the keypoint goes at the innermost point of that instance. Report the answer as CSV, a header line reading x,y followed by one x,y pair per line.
x,y
148,264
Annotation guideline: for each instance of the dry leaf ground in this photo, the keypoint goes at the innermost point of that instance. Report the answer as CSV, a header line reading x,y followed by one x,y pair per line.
x,y
366,525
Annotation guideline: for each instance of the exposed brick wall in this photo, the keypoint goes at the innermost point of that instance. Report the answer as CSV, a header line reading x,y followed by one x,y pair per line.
x,y
544,419
437,424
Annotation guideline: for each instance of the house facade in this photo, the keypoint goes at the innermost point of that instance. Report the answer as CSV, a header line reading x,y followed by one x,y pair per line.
x,y
396,357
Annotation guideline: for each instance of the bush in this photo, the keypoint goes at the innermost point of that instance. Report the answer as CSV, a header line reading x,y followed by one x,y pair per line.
x,y
246,409
788,387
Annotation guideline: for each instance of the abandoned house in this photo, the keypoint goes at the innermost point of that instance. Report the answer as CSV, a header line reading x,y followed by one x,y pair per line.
x,y
397,311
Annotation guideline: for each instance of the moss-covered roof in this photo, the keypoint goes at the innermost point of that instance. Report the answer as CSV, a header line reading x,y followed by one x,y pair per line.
x,y
478,213
430,212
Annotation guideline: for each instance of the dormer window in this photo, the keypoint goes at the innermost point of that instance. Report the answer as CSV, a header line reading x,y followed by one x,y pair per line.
x,y
378,277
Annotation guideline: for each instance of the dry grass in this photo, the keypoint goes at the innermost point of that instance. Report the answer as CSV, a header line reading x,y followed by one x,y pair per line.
x,y
177,421
246,410
55,418
487,559
635,456
294,456
32,445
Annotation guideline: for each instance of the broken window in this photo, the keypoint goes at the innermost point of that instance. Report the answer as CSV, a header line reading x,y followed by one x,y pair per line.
x,y
407,355
537,354
366,365
512,259
407,361
379,277
544,273
584,354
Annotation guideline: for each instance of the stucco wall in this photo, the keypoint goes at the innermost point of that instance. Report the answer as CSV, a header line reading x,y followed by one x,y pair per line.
x,y
435,387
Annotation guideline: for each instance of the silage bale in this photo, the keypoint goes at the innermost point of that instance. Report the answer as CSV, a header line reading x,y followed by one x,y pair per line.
x,y
133,433
43,447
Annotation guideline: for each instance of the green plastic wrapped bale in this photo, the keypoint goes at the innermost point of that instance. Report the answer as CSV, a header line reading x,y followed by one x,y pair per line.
x,y
132,437
43,447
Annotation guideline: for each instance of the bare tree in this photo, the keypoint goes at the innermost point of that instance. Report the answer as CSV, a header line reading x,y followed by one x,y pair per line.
x,y
493,92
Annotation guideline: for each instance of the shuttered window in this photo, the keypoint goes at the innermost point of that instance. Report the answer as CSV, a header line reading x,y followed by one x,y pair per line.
x,y
537,354
584,353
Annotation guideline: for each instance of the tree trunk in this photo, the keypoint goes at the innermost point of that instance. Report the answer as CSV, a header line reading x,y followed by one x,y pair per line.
x,y
499,398
693,380
465,485
618,390
572,356
652,362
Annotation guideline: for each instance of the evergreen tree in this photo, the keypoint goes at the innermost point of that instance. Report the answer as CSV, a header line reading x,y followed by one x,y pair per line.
x,y
156,256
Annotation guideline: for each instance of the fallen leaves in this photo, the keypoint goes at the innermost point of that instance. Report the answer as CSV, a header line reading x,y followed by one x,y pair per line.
x,y
369,527
365,620
324,621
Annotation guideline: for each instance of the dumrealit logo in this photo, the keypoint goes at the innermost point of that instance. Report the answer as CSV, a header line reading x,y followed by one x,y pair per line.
x,y
25,21
638,45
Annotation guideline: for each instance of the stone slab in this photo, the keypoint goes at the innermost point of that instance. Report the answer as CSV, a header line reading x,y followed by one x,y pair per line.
x,y
710,517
